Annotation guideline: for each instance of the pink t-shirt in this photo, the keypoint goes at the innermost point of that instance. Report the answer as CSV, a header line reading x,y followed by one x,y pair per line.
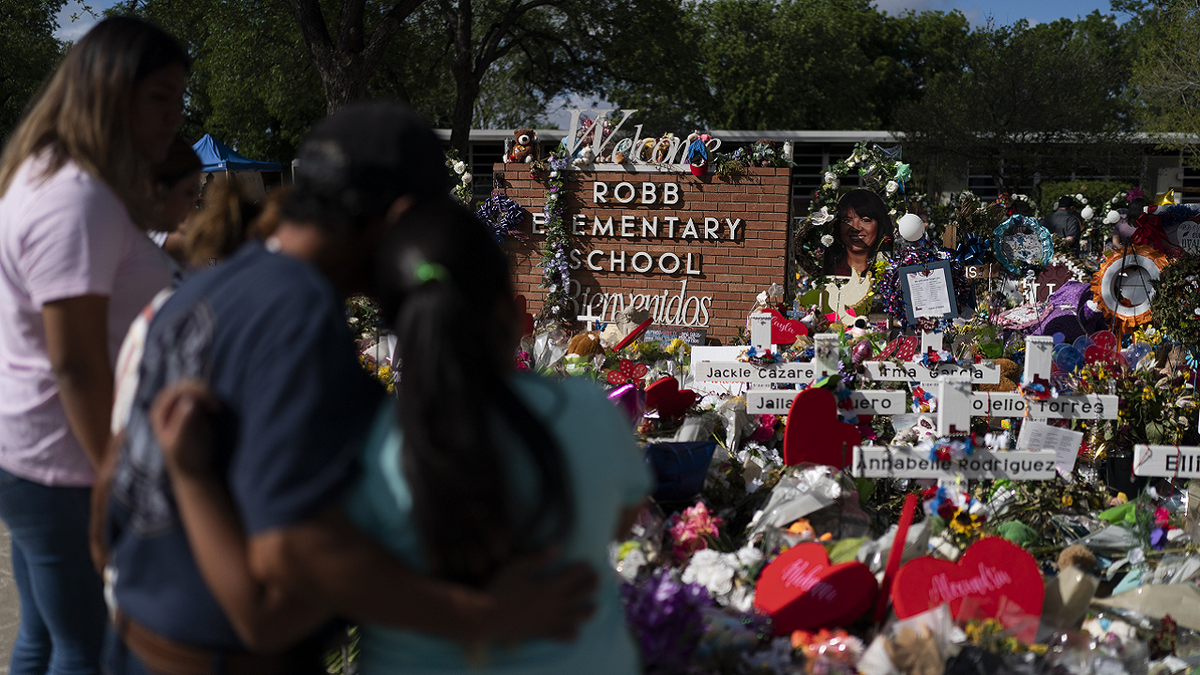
x,y
60,237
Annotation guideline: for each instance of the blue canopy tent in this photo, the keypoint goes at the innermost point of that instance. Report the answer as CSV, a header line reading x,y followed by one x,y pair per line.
x,y
220,157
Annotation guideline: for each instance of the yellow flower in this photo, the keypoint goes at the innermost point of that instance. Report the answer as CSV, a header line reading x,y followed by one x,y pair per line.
x,y
1067,500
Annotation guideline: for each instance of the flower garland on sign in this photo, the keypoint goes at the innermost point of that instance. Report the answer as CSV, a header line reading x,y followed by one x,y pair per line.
x,y
556,273
503,215
879,169
1176,304
461,176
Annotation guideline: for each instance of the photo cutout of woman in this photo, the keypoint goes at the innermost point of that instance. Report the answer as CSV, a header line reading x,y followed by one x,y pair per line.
x,y
863,224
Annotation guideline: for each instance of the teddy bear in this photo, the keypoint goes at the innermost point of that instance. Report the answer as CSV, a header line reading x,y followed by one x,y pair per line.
x,y
585,344
524,149
586,158
1010,372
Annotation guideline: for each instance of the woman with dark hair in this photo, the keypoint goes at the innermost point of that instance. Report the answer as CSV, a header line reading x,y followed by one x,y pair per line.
x,y
75,269
863,225
473,468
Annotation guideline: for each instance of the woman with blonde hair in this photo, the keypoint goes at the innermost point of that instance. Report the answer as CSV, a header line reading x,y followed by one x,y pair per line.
x,y
76,267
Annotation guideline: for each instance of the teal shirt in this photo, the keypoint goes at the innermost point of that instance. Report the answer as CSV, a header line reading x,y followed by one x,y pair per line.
x,y
607,474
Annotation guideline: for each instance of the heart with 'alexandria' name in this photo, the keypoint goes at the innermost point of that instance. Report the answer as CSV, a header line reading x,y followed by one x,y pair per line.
x,y
802,591
994,579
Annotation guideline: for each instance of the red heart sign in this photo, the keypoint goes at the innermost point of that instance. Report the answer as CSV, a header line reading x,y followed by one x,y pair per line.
x,y
802,591
785,331
815,434
668,399
998,578
628,371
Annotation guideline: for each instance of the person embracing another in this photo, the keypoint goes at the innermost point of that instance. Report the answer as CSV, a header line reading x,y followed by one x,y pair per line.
x,y
76,267
241,569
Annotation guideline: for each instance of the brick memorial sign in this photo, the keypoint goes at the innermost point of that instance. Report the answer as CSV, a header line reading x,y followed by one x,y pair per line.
x,y
693,251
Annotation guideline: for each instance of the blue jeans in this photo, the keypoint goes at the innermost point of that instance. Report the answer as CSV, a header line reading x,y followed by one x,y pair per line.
x,y
63,616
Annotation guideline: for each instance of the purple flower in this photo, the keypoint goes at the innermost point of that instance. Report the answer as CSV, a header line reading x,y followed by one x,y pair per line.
x,y
666,617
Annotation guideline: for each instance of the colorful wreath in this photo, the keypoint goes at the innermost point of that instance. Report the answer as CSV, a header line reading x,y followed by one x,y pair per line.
x,y
1176,301
879,170
1124,285
503,215
1018,261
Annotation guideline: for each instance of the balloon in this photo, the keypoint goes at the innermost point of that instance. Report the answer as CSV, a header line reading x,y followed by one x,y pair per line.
x,y
911,227
1087,213
1167,198
861,352
1112,218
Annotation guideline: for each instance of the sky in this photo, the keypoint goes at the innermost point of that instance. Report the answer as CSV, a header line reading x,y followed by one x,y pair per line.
x,y
1002,13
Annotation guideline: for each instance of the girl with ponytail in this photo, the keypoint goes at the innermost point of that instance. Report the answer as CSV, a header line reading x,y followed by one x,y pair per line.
x,y
474,468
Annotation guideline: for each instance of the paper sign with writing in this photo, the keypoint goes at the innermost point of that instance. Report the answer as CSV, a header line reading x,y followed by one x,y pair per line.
x,y
1168,461
886,371
865,402
904,461
1065,443
665,334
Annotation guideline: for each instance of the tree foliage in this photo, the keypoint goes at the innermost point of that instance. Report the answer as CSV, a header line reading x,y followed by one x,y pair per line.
x,y
28,54
1166,77
1029,102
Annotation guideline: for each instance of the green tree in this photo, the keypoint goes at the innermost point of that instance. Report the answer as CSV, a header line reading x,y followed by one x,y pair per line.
x,y
1166,77
790,64
29,52
1029,103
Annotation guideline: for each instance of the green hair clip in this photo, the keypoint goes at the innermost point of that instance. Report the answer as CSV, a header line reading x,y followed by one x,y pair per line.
x,y
428,271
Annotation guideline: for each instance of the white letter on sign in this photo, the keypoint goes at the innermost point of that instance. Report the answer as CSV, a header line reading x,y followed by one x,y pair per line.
x,y
670,193
649,193
617,192
598,191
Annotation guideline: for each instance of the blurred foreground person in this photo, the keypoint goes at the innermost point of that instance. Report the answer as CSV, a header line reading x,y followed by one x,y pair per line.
x,y
76,267
266,331
473,467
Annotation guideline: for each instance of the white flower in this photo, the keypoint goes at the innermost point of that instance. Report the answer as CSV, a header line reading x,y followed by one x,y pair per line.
x,y
628,568
466,178
742,598
459,167
830,176
1080,198
891,187
749,555
554,174
827,240
822,216
761,298
712,570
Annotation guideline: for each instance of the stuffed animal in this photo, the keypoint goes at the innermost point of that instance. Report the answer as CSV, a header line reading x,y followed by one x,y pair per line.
x,y
524,149
586,158
1009,373
585,344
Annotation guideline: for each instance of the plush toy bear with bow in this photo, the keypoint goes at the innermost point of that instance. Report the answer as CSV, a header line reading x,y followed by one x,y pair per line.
x,y
524,148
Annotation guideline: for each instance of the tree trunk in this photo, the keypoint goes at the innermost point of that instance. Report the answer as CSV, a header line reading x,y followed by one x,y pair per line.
x,y
463,116
345,67
465,80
